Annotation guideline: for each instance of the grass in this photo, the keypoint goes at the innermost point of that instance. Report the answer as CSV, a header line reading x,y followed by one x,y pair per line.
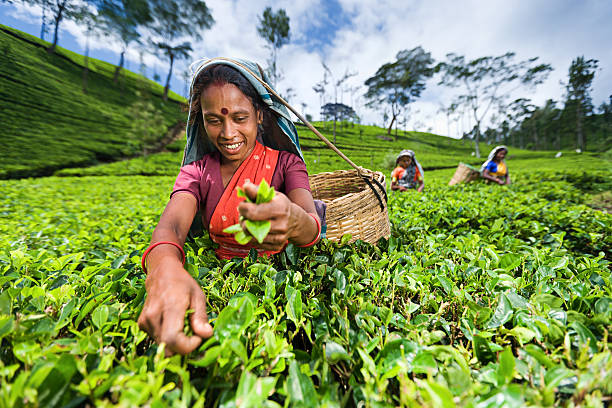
x,y
49,122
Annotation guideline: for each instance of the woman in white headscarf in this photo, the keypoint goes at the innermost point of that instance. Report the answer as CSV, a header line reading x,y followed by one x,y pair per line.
x,y
408,174
495,169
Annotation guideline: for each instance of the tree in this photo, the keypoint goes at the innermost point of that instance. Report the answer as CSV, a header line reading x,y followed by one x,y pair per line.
x,y
274,28
174,20
516,112
338,111
581,74
320,89
122,18
87,16
489,81
60,9
606,112
399,83
337,84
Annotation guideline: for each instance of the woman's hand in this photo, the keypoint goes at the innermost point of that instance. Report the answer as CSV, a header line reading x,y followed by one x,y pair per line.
x,y
289,221
171,291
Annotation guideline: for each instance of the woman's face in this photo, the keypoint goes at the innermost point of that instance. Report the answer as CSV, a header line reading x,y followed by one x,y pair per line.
x,y
230,121
405,161
499,156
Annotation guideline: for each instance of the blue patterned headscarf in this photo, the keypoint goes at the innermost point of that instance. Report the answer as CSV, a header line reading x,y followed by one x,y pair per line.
x,y
281,135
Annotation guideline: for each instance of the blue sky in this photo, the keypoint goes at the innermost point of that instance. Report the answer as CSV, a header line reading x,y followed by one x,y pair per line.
x,y
361,35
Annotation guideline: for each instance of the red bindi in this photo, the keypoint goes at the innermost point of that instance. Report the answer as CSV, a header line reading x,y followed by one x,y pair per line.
x,y
224,111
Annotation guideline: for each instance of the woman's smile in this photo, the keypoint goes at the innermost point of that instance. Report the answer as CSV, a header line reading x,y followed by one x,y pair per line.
x,y
232,148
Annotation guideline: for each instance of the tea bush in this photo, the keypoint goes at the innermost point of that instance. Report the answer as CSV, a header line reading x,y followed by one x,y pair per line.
x,y
483,296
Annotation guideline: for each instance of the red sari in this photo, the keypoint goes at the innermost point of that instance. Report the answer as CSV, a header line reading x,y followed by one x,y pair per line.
x,y
259,165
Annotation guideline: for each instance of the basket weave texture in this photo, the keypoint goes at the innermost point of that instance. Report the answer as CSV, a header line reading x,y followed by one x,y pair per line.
x,y
464,174
352,206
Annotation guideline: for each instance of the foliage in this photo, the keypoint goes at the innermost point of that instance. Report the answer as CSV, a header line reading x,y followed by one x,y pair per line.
x,y
60,10
274,29
487,81
338,111
49,123
123,18
581,74
399,83
483,295
175,20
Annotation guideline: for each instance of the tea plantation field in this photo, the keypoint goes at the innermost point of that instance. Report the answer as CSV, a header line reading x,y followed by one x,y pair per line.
x,y
484,296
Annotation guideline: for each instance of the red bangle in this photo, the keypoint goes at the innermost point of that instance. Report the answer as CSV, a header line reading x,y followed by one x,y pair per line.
x,y
144,256
314,241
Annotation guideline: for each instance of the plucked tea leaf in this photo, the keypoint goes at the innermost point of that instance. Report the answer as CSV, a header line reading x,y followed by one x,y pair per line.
x,y
265,193
233,229
258,229
242,238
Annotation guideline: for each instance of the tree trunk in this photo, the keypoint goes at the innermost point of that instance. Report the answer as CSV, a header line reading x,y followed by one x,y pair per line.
x,y
42,27
165,97
477,139
334,128
391,125
580,142
58,19
118,69
86,65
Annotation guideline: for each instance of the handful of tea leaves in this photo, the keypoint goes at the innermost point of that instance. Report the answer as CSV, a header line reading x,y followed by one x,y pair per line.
x,y
257,229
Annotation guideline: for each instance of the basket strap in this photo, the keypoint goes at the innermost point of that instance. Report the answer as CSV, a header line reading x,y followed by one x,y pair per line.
x,y
295,112
380,202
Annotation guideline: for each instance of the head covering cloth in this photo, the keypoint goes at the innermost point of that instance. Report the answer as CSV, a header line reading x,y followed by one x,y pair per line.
x,y
492,155
415,162
279,132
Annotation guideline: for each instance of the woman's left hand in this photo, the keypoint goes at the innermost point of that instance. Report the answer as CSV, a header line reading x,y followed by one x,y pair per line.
x,y
287,218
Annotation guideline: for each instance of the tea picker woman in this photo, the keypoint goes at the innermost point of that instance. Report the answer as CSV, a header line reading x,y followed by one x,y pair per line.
x,y
408,174
237,135
495,169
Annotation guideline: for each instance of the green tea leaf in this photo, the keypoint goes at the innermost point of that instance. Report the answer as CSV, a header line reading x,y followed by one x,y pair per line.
x,y
334,352
100,316
242,238
233,229
235,317
265,193
294,304
299,387
505,369
482,350
503,313
258,229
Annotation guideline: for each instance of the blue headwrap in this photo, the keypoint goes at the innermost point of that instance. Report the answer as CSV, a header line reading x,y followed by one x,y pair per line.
x,y
281,135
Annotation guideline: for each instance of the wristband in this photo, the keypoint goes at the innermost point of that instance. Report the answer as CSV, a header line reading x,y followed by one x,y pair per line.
x,y
314,241
144,256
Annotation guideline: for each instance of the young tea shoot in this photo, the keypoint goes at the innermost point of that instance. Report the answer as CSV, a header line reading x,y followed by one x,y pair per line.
x,y
255,229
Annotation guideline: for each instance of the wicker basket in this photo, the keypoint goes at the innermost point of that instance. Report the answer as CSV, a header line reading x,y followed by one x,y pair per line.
x,y
352,206
464,174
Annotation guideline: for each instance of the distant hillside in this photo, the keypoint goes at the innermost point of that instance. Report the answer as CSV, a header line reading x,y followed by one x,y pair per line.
x,y
49,123
366,146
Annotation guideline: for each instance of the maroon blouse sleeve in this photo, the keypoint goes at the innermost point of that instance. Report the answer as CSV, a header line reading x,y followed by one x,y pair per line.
x,y
189,180
290,173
